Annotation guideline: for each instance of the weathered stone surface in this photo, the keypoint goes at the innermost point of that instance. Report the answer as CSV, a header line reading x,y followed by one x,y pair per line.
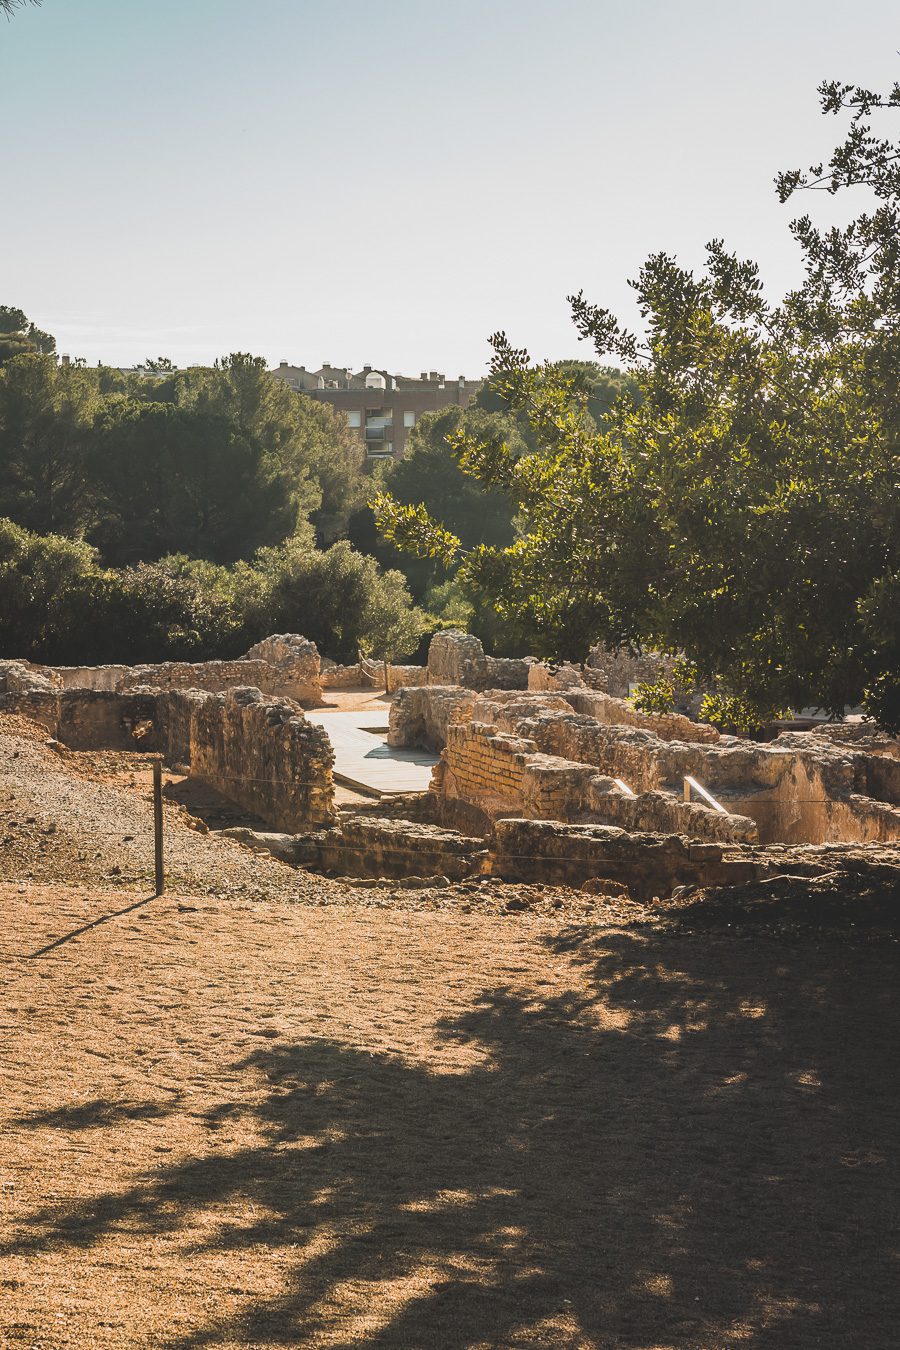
x,y
617,712
458,658
503,774
532,754
284,666
420,716
406,677
648,864
544,678
616,672
264,755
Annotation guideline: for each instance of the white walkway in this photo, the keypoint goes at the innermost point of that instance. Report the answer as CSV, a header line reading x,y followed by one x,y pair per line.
x,y
363,757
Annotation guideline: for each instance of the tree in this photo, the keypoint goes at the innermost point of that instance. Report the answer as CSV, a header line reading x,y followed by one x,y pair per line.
x,y
391,627
8,6
47,585
19,336
742,505
46,417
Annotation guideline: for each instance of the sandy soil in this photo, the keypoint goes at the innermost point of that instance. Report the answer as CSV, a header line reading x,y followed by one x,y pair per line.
x,y
269,1109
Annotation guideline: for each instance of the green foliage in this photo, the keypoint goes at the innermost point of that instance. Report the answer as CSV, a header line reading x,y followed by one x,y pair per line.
x,y
656,696
19,337
740,502
47,586
392,627
730,714
592,386
58,604
213,462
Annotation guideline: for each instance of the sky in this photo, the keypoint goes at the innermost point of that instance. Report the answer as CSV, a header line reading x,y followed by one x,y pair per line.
x,y
388,182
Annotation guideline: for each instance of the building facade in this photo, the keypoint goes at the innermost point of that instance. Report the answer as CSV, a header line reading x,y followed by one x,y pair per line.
x,y
382,408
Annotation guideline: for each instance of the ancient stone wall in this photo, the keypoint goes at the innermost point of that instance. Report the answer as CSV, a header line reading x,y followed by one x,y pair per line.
x,y
550,679
532,754
503,774
367,846
618,671
617,712
283,666
797,789
106,678
650,865
420,716
264,755
333,676
406,677
458,658
259,752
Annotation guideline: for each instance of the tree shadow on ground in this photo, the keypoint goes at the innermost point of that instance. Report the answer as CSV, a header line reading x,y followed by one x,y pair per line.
x,y
697,1149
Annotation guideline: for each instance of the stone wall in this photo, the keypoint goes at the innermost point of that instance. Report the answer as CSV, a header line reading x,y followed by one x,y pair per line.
x,y
502,774
406,677
650,865
105,678
259,752
458,658
333,676
797,789
543,677
264,755
283,666
617,712
368,846
420,716
617,671
543,754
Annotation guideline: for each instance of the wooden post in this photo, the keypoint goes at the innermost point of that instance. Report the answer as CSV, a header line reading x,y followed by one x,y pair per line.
x,y
158,826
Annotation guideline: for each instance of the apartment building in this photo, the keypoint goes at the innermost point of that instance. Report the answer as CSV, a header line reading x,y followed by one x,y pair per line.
x,y
383,408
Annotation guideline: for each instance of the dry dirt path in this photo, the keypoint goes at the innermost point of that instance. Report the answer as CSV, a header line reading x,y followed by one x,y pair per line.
x,y
303,1115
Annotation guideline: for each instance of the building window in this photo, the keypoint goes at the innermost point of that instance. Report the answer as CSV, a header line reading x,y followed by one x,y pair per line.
x,y
409,419
354,419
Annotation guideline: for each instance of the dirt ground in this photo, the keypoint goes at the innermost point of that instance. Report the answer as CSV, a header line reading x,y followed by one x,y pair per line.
x,y
271,1109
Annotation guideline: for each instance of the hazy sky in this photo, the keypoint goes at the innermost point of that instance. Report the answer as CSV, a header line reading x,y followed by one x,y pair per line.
x,y
388,182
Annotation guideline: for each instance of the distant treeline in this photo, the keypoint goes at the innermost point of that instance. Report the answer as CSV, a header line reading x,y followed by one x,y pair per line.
x,y
213,462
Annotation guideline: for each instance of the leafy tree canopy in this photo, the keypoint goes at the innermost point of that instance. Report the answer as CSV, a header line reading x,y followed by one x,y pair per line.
x,y
58,603
18,335
741,503
214,462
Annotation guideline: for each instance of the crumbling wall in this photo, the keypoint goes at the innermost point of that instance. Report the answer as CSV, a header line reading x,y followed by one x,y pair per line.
x,y
283,666
649,865
617,712
618,671
502,774
334,676
259,752
406,677
368,846
105,678
420,716
455,657
264,755
543,677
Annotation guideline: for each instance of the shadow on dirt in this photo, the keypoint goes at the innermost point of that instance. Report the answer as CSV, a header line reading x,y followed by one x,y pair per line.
x,y
699,1152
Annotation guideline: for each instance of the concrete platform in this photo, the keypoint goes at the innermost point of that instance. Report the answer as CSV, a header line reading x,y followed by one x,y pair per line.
x,y
363,758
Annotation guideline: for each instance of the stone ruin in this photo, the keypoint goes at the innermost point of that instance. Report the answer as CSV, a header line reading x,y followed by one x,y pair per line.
x,y
236,725
542,775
